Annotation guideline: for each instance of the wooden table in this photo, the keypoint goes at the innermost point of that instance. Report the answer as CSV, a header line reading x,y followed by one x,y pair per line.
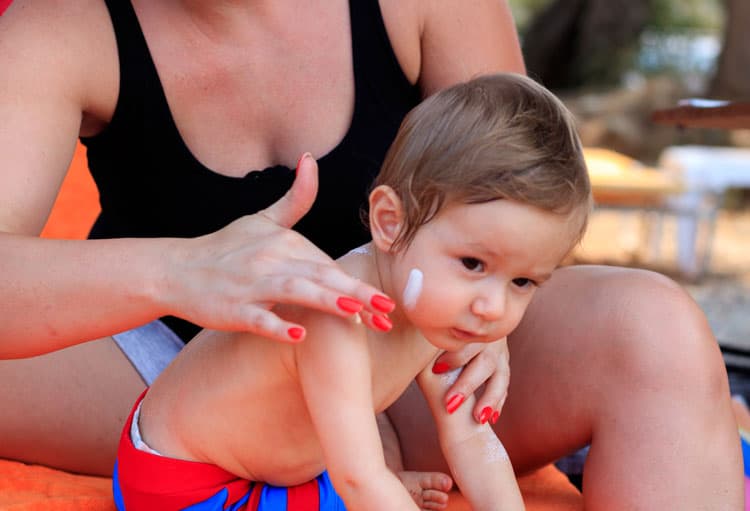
x,y
728,115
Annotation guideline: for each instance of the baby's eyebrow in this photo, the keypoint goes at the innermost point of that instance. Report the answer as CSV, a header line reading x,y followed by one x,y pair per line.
x,y
484,249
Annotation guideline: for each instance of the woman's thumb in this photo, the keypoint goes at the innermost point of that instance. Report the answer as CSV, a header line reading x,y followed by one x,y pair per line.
x,y
289,209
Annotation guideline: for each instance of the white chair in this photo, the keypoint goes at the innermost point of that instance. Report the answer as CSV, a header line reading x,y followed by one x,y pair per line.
x,y
707,173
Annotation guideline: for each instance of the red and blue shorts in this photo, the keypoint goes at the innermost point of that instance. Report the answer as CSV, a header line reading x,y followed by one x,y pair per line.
x,y
144,482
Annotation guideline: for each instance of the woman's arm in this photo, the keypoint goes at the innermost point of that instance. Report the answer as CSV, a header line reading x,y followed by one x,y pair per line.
x,y
58,293
461,40
477,459
64,292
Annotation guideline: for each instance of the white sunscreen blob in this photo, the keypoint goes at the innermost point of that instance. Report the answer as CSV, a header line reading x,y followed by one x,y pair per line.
x,y
493,448
362,249
449,378
413,288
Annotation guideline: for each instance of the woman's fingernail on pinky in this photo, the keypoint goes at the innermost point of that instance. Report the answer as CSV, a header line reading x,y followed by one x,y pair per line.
x,y
296,332
495,417
349,305
382,323
485,415
440,368
382,303
454,402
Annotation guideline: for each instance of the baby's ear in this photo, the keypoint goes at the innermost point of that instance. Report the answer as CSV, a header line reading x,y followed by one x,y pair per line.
x,y
386,217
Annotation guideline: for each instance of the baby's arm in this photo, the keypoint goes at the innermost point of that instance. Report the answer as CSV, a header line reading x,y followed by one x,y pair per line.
x,y
334,371
477,459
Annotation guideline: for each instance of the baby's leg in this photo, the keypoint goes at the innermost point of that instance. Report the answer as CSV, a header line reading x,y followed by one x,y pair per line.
x,y
428,489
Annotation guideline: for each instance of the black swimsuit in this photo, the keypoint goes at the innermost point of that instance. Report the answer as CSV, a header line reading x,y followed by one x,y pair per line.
x,y
150,184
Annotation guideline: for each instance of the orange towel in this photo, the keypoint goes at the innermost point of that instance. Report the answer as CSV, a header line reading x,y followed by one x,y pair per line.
x,y
30,488
35,488
77,204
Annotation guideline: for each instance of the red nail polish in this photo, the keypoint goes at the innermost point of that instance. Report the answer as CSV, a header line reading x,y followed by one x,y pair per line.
x,y
349,305
296,333
494,417
485,415
382,323
440,368
454,402
382,303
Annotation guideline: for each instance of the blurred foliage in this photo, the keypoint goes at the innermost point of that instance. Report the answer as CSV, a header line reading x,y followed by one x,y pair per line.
x,y
666,15
680,37
690,15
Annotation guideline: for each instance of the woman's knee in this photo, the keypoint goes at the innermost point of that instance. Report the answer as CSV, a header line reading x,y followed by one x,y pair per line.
x,y
656,334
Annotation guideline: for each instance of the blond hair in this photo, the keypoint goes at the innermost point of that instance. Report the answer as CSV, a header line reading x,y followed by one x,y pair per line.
x,y
499,136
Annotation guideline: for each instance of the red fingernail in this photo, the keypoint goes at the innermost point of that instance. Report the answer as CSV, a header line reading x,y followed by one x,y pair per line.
x,y
494,417
349,305
454,402
382,303
440,368
382,323
296,333
485,415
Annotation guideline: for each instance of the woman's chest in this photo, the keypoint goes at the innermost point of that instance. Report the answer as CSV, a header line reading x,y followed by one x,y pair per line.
x,y
257,92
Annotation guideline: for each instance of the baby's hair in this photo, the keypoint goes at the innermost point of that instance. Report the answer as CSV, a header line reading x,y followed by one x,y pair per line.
x,y
499,136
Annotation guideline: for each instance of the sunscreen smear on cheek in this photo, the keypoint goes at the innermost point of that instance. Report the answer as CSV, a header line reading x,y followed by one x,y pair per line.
x,y
413,288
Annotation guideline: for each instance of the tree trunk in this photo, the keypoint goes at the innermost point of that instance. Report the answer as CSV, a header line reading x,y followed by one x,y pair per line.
x,y
574,41
732,78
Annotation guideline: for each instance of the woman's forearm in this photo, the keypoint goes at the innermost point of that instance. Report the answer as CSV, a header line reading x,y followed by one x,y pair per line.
x,y
56,293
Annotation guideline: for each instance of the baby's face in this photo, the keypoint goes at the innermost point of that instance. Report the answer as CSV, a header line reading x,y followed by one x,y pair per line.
x,y
470,273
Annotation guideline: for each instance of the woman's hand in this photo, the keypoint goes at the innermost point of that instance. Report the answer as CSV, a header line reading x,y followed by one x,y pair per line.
x,y
232,278
483,364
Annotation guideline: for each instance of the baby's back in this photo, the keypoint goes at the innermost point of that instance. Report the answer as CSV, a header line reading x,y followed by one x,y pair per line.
x,y
234,400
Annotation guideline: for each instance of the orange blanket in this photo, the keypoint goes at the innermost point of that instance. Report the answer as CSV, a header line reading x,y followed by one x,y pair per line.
x,y
31,488
34,488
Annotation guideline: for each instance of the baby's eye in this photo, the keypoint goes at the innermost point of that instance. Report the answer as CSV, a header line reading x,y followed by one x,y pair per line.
x,y
523,282
472,264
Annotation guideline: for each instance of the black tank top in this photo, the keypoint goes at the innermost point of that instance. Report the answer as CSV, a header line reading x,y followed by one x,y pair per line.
x,y
150,184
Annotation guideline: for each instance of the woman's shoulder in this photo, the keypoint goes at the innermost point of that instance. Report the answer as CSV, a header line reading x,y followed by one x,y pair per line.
x,y
68,46
67,32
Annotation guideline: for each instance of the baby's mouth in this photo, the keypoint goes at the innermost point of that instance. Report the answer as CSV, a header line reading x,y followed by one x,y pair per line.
x,y
464,335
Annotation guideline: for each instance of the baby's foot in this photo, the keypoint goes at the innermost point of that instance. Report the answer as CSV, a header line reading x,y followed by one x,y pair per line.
x,y
428,489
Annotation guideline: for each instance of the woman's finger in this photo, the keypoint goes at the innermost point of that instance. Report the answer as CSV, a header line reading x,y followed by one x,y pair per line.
x,y
490,404
289,209
263,322
326,287
454,359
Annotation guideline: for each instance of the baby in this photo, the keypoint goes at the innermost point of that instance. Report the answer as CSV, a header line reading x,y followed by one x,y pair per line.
x,y
481,196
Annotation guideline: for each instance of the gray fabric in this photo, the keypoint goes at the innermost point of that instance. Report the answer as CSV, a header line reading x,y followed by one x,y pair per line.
x,y
150,348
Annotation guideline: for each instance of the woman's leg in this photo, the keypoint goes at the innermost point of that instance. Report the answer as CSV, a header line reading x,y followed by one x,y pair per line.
x,y
623,359
66,409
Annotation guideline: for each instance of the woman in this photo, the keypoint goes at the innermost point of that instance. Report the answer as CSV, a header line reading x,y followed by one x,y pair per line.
x,y
621,358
